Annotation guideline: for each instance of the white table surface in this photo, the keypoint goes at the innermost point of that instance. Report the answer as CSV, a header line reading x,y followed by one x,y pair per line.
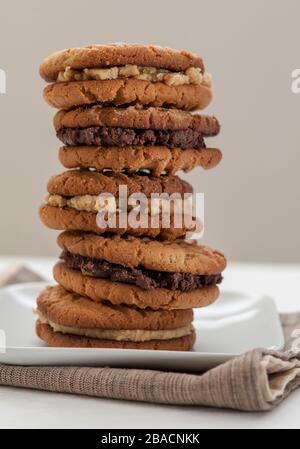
x,y
32,409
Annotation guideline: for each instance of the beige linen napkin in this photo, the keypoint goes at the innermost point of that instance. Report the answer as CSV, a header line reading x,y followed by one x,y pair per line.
x,y
256,381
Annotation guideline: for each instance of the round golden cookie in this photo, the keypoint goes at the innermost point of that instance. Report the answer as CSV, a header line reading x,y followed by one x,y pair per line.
x,y
57,339
84,182
175,257
131,159
124,92
117,54
133,117
117,293
67,309
71,219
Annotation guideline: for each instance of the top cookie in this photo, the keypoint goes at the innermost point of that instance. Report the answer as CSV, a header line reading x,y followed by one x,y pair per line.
x,y
135,117
180,256
118,54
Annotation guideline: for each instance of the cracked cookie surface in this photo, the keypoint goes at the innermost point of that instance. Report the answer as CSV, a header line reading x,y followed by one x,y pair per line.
x,y
155,159
118,54
125,92
101,290
178,256
134,117
72,310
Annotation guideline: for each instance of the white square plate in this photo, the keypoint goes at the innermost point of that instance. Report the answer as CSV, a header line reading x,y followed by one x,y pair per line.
x,y
236,323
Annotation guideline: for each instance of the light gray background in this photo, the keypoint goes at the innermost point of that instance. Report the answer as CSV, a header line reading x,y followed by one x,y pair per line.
x,y
251,48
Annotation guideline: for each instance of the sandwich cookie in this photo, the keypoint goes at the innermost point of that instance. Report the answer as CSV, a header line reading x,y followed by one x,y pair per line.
x,y
132,126
73,203
139,272
124,74
135,139
69,320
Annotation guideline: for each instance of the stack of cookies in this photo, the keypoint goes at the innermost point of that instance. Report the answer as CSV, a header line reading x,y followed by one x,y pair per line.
x,y
124,120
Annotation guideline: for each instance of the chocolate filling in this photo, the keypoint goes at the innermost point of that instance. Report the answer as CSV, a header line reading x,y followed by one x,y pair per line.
x,y
121,137
142,277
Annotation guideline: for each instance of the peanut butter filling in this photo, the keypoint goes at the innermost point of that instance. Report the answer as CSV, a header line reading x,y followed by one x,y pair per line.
x,y
91,203
192,75
136,335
